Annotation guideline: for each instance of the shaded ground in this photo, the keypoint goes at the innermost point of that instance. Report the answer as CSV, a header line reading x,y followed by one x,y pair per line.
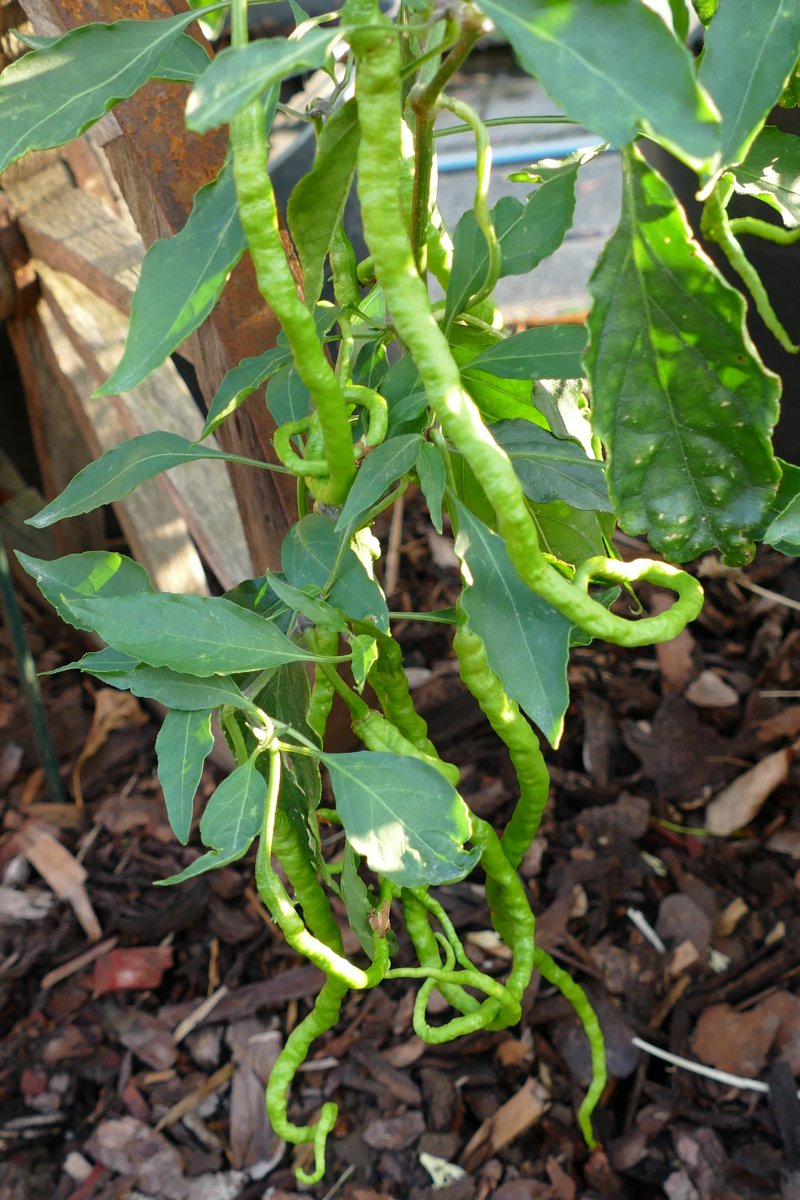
x,y
114,1084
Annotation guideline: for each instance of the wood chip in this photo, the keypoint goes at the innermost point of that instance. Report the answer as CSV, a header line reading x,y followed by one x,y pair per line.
x,y
62,872
737,804
519,1113
709,690
730,917
194,1099
78,963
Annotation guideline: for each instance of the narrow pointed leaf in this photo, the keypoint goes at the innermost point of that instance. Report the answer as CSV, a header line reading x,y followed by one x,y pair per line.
x,y
94,573
243,73
52,95
182,278
613,67
545,352
288,398
550,469
184,61
121,469
317,203
318,611
679,397
379,470
771,172
403,816
784,532
239,383
173,689
201,635
183,744
528,232
749,56
356,900
527,641
314,555
107,661
432,477
231,822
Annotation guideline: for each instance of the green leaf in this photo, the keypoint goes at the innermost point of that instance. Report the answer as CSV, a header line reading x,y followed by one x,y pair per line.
x,y
771,172
285,697
549,469
371,365
402,388
213,24
432,475
239,383
184,61
615,68
199,635
527,232
51,96
94,573
183,744
364,657
173,689
545,352
317,611
403,816
563,405
232,820
243,73
317,203
314,555
380,469
747,60
498,399
573,534
527,641
784,532
356,900
121,469
679,396
288,398
182,278
257,595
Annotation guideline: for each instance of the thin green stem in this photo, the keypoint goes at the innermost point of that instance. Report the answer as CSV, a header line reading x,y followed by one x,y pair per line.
x,y
495,122
751,226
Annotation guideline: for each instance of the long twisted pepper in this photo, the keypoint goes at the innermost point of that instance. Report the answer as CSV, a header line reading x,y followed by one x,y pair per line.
x,y
379,97
259,216
511,727
302,875
322,692
390,684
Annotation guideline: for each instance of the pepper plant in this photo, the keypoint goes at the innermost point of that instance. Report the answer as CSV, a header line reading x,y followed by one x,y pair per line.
x,y
657,416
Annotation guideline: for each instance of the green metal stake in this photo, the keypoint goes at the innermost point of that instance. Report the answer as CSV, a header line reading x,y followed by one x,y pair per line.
x,y
29,680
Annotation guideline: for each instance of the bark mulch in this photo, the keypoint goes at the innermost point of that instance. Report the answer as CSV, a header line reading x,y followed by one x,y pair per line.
x,y
138,1025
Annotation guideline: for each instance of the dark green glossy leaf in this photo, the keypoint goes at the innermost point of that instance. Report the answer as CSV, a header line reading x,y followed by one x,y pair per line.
x,y
314,555
748,57
121,469
409,823
182,278
50,96
405,396
183,744
201,635
527,641
528,232
544,352
243,73
317,203
470,492
380,469
432,476
549,469
232,820
107,661
679,396
771,172
256,595
94,573
285,697
613,67
573,534
784,532
239,383
371,365
288,398
498,399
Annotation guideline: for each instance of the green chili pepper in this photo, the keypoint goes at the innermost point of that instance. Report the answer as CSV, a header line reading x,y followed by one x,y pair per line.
x,y
511,726
379,97
379,734
302,875
259,217
321,701
308,468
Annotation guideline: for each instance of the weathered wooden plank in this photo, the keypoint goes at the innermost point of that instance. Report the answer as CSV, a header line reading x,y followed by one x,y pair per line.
x,y
159,167
76,233
61,450
201,491
158,537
